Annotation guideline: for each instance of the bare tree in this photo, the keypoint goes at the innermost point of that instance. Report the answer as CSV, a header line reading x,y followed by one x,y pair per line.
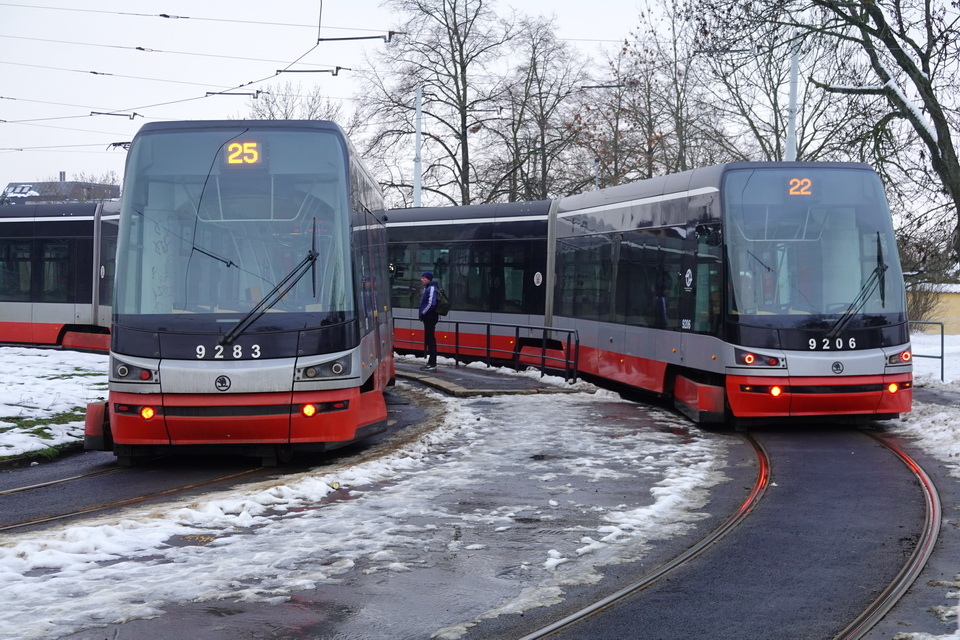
x,y
448,51
290,101
927,265
684,128
910,50
606,124
540,160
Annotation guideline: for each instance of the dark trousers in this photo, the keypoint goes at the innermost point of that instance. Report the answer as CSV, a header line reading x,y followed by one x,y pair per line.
x,y
430,338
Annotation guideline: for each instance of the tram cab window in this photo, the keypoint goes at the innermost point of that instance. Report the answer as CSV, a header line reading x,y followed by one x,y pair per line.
x,y
800,250
208,238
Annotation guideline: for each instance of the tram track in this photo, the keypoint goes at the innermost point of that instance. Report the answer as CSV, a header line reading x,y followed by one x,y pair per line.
x,y
408,420
753,498
918,559
114,503
861,624
51,483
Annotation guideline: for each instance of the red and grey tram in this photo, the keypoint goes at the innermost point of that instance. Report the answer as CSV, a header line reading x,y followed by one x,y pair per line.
x,y
741,291
248,311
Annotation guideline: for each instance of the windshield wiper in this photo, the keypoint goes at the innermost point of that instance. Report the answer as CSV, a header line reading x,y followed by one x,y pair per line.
x,y
876,279
229,263
273,296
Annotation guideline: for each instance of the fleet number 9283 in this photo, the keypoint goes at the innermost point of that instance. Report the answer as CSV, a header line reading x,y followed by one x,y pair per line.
x,y
831,344
220,352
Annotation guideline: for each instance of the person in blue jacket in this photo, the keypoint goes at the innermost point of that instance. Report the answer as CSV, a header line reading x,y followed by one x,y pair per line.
x,y
429,316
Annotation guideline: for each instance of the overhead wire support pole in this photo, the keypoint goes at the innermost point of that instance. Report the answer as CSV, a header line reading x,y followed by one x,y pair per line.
x,y
418,142
386,38
125,115
255,94
335,71
791,150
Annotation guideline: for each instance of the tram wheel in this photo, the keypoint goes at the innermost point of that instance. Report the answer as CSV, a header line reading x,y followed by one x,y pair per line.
x,y
282,454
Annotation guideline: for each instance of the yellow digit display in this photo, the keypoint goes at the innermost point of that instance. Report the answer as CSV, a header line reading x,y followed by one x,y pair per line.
x,y
243,153
801,187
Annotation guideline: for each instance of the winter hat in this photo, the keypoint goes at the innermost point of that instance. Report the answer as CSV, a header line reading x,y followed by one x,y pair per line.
x,y
427,274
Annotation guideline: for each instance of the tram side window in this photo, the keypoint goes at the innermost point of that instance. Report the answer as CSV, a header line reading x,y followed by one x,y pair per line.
x,y
585,270
108,261
513,278
707,312
636,277
408,261
668,278
43,271
57,272
15,270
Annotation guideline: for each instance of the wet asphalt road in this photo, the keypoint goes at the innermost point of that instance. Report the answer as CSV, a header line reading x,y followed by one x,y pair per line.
x,y
777,572
836,525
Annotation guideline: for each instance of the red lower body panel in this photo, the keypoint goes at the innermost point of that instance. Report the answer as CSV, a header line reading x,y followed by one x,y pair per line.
x,y
264,418
49,334
700,402
30,332
751,397
88,341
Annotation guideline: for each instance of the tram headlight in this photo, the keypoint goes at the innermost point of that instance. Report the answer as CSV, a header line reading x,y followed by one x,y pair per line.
x,y
904,357
751,359
308,410
147,412
334,368
124,371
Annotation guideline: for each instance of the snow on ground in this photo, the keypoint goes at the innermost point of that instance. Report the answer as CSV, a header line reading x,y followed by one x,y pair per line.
x,y
79,575
43,397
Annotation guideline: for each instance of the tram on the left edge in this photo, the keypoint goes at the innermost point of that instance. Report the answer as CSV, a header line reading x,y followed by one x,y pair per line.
x,y
248,312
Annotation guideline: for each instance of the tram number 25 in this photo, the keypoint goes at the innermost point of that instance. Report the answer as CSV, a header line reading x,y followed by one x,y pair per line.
x,y
827,344
235,352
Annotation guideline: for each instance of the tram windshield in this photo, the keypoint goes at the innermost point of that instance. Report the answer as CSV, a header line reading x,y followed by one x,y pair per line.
x,y
811,247
228,226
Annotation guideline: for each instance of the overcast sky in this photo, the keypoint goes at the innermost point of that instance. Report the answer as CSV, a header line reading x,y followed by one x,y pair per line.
x,y
60,61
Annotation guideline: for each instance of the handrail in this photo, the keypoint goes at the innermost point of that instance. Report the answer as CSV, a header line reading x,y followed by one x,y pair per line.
x,y
939,357
568,360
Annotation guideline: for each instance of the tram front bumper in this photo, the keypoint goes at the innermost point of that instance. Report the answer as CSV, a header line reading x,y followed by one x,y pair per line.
x,y
263,418
762,396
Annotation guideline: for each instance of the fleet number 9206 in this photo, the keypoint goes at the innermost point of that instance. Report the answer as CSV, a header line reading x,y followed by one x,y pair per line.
x,y
221,352
831,344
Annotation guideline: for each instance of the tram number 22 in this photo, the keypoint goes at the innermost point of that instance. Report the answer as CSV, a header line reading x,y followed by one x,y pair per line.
x,y
826,344
220,352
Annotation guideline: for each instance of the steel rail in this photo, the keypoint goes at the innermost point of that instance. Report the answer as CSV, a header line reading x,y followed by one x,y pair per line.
x,y
759,487
128,501
50,483
907,575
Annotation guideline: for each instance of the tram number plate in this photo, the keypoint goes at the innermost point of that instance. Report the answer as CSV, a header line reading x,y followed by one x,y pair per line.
x,y
220,352
831,344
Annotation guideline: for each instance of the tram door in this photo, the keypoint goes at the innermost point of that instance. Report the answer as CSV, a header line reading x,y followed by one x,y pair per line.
x,y
700,280
687,281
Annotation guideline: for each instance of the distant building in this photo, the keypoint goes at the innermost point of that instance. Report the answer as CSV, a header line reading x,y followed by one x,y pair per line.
x,y
40,192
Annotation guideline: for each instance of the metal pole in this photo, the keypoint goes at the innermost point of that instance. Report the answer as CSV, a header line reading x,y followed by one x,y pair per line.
x,y
791,151
417,163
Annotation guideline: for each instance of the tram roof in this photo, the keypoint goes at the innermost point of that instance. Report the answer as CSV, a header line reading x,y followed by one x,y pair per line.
x,y
327,125
685,181
60,210
504,211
